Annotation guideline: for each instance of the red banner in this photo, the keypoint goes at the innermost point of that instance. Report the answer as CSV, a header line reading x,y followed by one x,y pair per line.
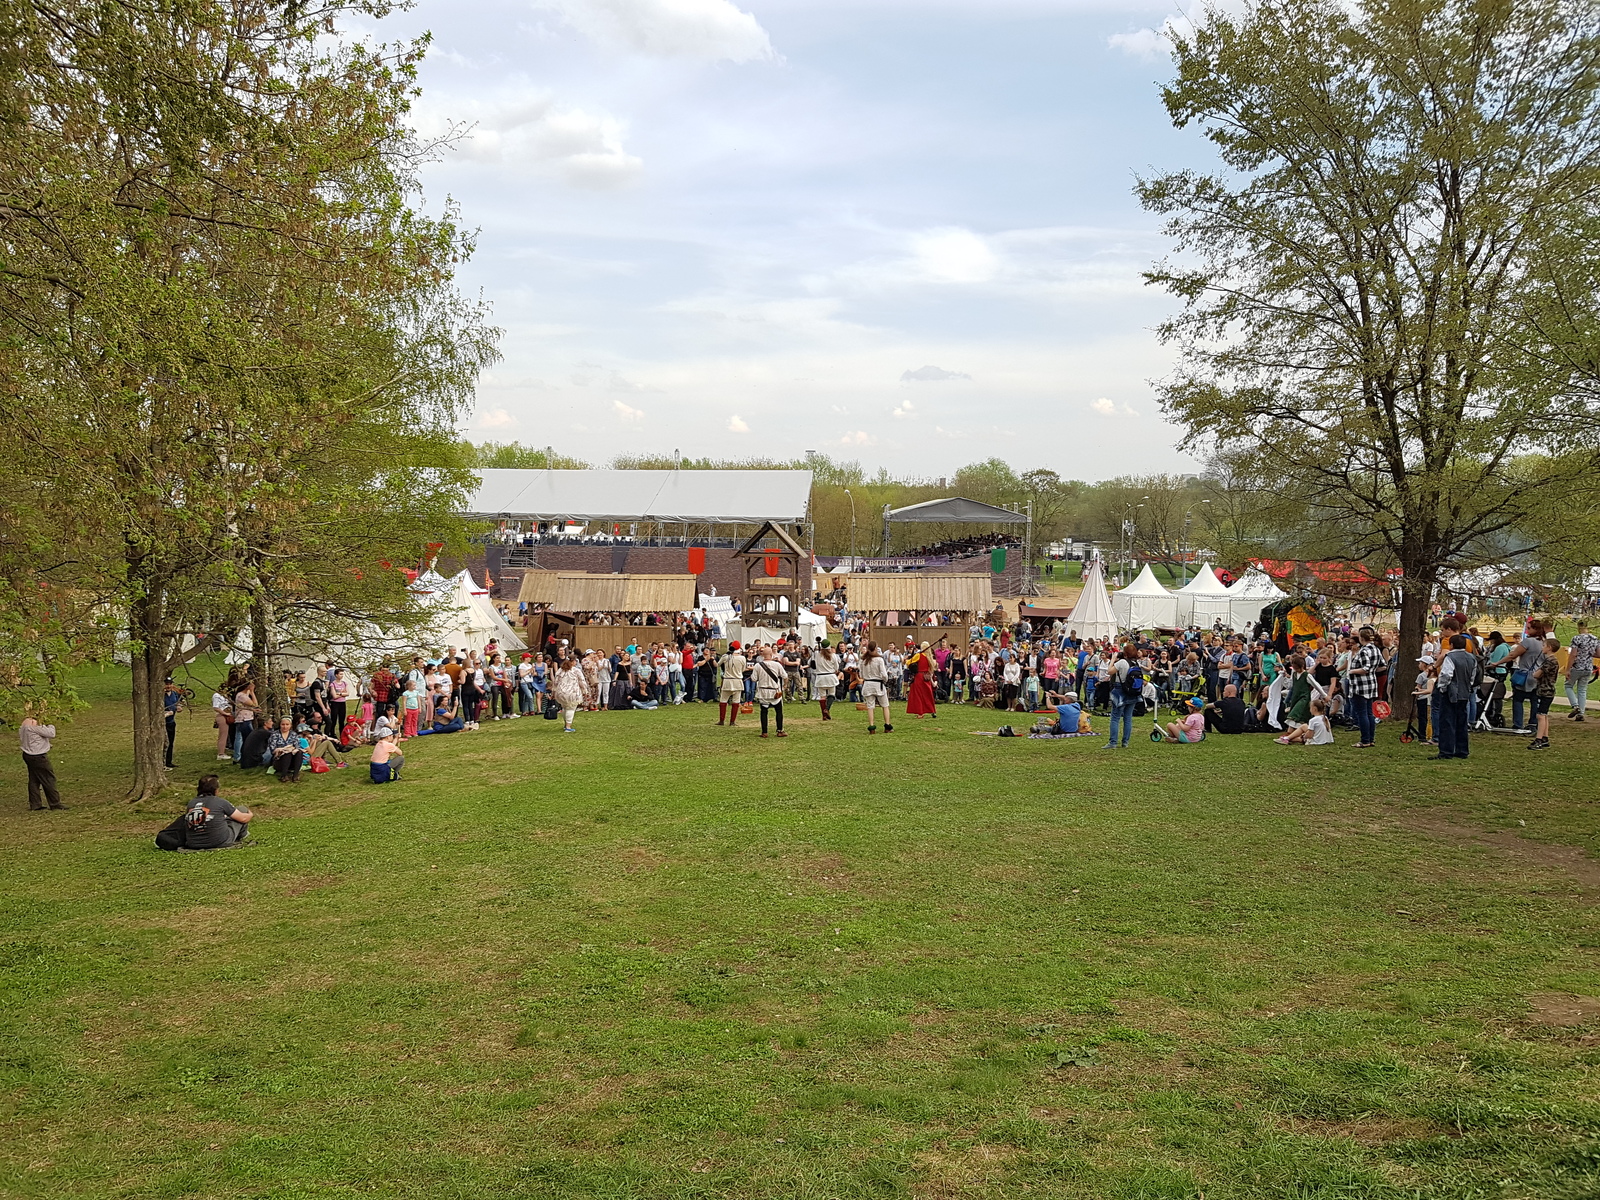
x,y
697,560
773,565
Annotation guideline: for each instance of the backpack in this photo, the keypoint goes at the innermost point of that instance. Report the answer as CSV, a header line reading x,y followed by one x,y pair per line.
x,y
1133,685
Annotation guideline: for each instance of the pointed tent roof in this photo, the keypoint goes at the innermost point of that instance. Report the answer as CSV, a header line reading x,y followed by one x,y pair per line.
x,y
1145,585
777,531
1092,616
957,509
1255,584
1204,583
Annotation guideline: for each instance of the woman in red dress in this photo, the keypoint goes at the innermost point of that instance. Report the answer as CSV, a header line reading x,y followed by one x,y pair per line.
x,y
920,667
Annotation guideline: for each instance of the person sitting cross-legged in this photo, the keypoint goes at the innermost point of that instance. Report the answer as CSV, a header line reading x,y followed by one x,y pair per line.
x,y
1070,717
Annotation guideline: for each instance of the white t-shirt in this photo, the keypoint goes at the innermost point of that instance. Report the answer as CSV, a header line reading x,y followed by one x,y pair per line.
x,y
1321,731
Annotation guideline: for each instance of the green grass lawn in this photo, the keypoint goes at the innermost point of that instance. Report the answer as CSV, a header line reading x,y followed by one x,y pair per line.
x,y
662,959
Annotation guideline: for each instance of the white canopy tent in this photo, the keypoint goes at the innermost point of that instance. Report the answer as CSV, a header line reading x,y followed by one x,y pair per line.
x,y
470,621
1204,600
1250,593
1092,616
1145,604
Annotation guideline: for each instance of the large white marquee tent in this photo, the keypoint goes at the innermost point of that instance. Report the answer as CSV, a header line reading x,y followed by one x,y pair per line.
x,y
1249,594
1204,600
1145,604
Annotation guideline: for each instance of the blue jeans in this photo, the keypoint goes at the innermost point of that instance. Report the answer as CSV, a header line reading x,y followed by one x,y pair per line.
x,y
1361,710
1450,722
1518,699
241,730
1121,710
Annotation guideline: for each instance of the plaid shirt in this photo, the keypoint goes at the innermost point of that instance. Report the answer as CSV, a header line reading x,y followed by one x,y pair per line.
x,y
1363,675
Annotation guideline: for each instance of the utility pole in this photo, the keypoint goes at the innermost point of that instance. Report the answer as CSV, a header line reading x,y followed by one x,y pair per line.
x,y
847,492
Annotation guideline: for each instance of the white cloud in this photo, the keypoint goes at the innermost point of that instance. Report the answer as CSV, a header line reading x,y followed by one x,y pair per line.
x,y
737,424
930,375
619,384
705,30
859,438
582,148
627,412
495,418
903,409
1107,408
954,255
1151,44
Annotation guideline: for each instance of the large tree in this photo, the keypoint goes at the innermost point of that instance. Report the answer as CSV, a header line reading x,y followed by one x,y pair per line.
x,y
1365,285
212,273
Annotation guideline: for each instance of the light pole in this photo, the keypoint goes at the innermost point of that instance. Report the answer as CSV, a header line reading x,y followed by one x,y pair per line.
x,y
847,492
1183,551
1127,535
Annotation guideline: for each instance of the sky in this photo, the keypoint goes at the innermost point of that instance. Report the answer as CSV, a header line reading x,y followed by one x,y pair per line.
x,y
896,231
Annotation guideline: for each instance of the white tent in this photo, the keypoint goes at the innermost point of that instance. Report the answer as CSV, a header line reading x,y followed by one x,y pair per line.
x,y
1204,599
1092,616
1252,592
813,627
468,620
1145,604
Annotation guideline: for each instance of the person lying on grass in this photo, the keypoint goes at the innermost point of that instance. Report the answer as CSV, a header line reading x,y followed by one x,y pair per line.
x,y
1192,728
1316,732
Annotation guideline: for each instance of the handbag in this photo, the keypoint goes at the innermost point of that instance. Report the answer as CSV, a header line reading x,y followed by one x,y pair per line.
x,y
319,765
747,707
1519,679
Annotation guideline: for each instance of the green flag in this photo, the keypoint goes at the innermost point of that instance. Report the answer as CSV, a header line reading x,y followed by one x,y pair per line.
x,y
997,559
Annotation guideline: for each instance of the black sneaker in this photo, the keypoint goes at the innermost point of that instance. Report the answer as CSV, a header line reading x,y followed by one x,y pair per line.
x,y
1539,744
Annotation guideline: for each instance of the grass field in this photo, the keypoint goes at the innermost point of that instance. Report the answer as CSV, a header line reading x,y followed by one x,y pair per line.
x,y
660,959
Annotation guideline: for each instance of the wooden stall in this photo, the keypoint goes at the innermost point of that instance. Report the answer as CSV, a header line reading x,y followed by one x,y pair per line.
x,y
895,605
611,610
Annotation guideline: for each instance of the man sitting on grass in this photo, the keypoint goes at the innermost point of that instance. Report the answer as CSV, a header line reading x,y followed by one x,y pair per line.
x,y
1070,717
210,823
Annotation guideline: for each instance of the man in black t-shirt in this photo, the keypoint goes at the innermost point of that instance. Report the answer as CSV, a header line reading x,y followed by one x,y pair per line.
x,y
211,823
1227,714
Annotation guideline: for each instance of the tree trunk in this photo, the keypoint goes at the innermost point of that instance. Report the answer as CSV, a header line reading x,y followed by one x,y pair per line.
x,y
1416,590
271,696
149,718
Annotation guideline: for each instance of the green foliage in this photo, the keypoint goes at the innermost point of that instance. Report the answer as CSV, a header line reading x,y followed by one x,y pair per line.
x,y
1367,327
231,343
514,455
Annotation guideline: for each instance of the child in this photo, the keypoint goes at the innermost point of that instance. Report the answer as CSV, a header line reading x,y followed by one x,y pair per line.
x,y
386,761
412,702
1192,728
1317,732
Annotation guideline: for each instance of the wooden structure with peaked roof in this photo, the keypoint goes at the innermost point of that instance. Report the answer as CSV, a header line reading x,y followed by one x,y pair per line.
x,y
775,565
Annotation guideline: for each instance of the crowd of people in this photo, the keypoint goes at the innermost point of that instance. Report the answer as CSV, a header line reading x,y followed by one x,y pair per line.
x,y
966,547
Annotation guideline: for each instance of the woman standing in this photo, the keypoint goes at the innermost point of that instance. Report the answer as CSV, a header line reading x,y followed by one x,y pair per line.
x,y
825,680
1581,654
920,668
568,691
769,679
244,716
338,703
222,712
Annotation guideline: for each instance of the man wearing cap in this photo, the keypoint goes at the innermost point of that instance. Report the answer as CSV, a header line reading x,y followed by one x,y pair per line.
x,y
732,694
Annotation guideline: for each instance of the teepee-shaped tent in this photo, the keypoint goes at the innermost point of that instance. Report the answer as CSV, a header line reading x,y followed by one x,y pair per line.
x,y
1092,616
1145,604
1249,594
1204,600
497,628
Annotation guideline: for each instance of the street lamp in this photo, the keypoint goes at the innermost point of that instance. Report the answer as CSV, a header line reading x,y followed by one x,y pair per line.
x,y
847,492
1127,536
1184,551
